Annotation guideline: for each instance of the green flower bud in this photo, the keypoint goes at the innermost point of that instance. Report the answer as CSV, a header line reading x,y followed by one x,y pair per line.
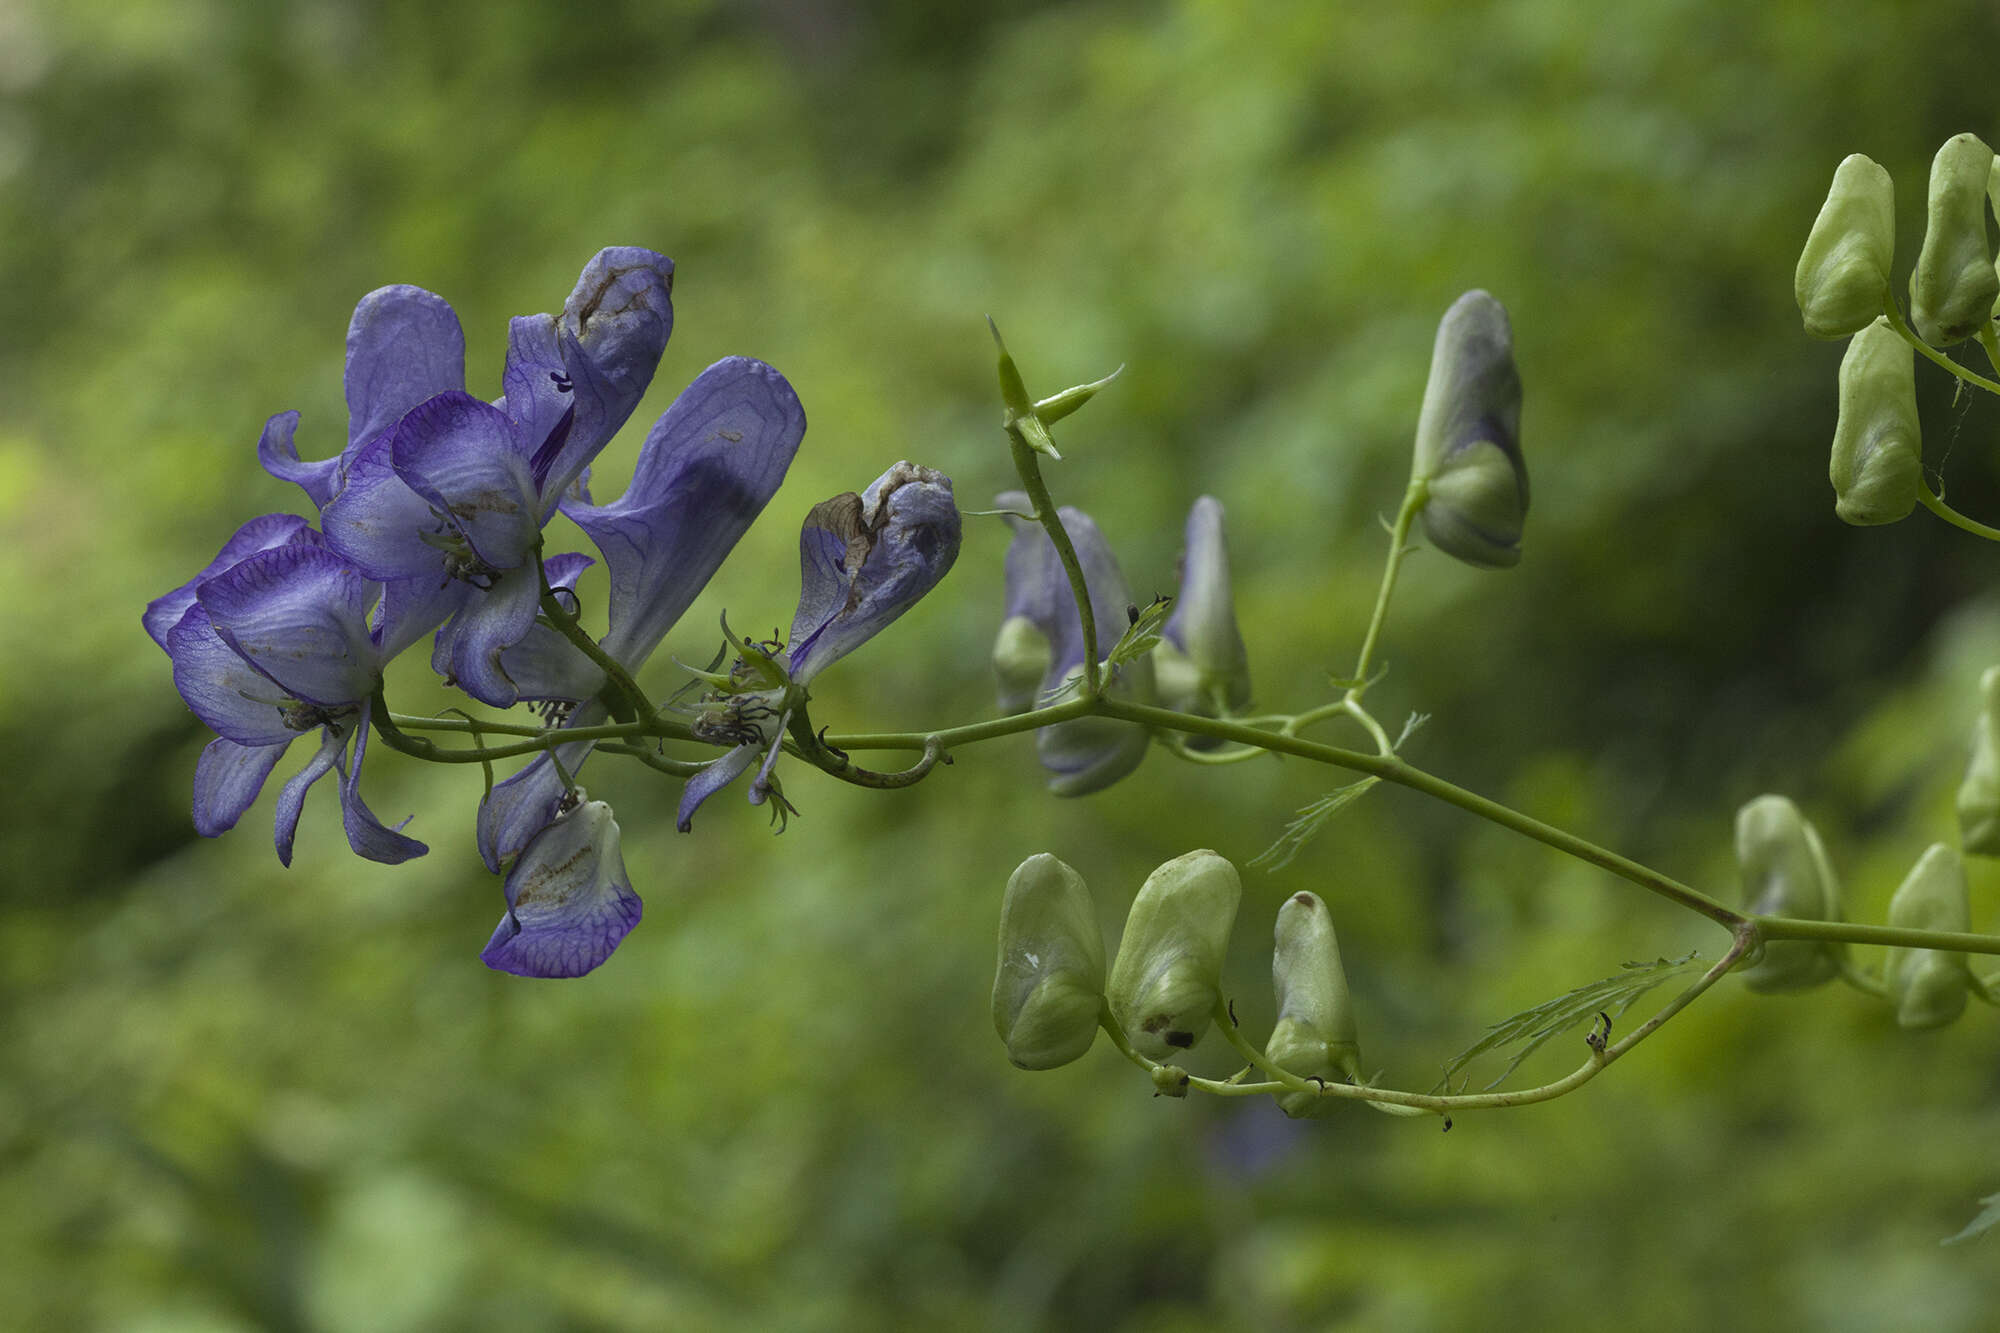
x,y
1843,274
1953,287
1786,873
1979,794
1878,445
1929,986
1048,987
1469,437
1167,978
1020,660
1315,1035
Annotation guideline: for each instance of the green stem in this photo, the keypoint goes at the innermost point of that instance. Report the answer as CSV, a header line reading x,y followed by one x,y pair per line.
x,y
1848,932
421,748
1414,499
1895,314
1935,503
1392,769
948,737
614,671
1029,465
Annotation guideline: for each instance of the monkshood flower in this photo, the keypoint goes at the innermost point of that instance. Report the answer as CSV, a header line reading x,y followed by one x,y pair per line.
x,y
709,466
863,561
273,642
448,505
1200,660
1469,437
1085,754
569,900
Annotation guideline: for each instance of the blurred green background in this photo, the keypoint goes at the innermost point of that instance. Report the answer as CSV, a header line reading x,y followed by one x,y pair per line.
x,y
236,1097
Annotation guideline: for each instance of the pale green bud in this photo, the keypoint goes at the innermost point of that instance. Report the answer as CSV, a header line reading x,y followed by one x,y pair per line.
x,y
1167,978
1979,794
1469,437
1929,986
1315,1035
1020,660
1048,986
1786,873
1878,445
1843,274
1954,285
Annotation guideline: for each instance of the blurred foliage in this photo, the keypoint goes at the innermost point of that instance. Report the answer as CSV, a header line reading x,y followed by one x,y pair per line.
x,y
237,1097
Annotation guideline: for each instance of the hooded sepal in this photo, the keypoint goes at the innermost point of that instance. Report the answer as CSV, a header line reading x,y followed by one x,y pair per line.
x,y
1048,985
1468,447
1878,447
1954,285
1786,873
1843,273
1315,1035
1929,986
569,900
1167,978
1200,662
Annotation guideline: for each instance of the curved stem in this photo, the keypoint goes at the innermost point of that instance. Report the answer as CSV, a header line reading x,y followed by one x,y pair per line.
x,y
1935,503
645,754
1028,464
614,671
1895,314
1414,498
949,737
419,747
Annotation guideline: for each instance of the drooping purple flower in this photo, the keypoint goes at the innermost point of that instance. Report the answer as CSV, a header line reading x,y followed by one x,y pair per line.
x,y
710,465
452,498
1085,754
275,646
1200,660
863,561
569,900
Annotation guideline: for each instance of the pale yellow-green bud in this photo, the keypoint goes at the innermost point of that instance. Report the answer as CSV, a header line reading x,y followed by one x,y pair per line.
x,y
1469,437
1878,447
1979,794
1954,285
1167,978
1315,1035
1929,986
1843,273
1020,660
1048,986
1786,873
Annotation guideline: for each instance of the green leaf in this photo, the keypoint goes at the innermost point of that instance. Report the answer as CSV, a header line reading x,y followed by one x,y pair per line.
x,y
1307,825
1141,635
1989,1217
1532,1027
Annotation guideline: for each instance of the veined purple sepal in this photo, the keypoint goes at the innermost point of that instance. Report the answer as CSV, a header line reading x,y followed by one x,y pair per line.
x,y
864,560
709,466
1200,661
404,345
279,454
569,900
471,648
259,534
545,665
713,779
515,810
299,615
292,796
227,779
462,457
366,834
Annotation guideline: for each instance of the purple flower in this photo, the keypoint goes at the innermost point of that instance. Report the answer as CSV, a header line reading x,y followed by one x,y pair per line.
x,y
450,500
863,561
569,900
1089,753
1200,660
710,465
273,642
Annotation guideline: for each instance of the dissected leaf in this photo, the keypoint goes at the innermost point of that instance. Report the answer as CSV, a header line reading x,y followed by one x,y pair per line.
x,y
1308,823
1989,1217
1532,1027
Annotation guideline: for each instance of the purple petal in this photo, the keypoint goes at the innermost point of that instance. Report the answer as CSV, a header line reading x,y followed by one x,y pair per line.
x,y
545,665
538,396
299,615
712,780
259,534
1203,624
710,465
292,796
897,542
461,456
411,608
365,833
403,346
569,900
1089,753
237,701
280,457
621,315
227,779
515,810
491,620
378,524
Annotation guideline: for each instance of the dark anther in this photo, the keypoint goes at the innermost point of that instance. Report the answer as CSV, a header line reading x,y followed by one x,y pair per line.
x,y
1597,1040
1131,614
570,800
562,381
1447,1125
